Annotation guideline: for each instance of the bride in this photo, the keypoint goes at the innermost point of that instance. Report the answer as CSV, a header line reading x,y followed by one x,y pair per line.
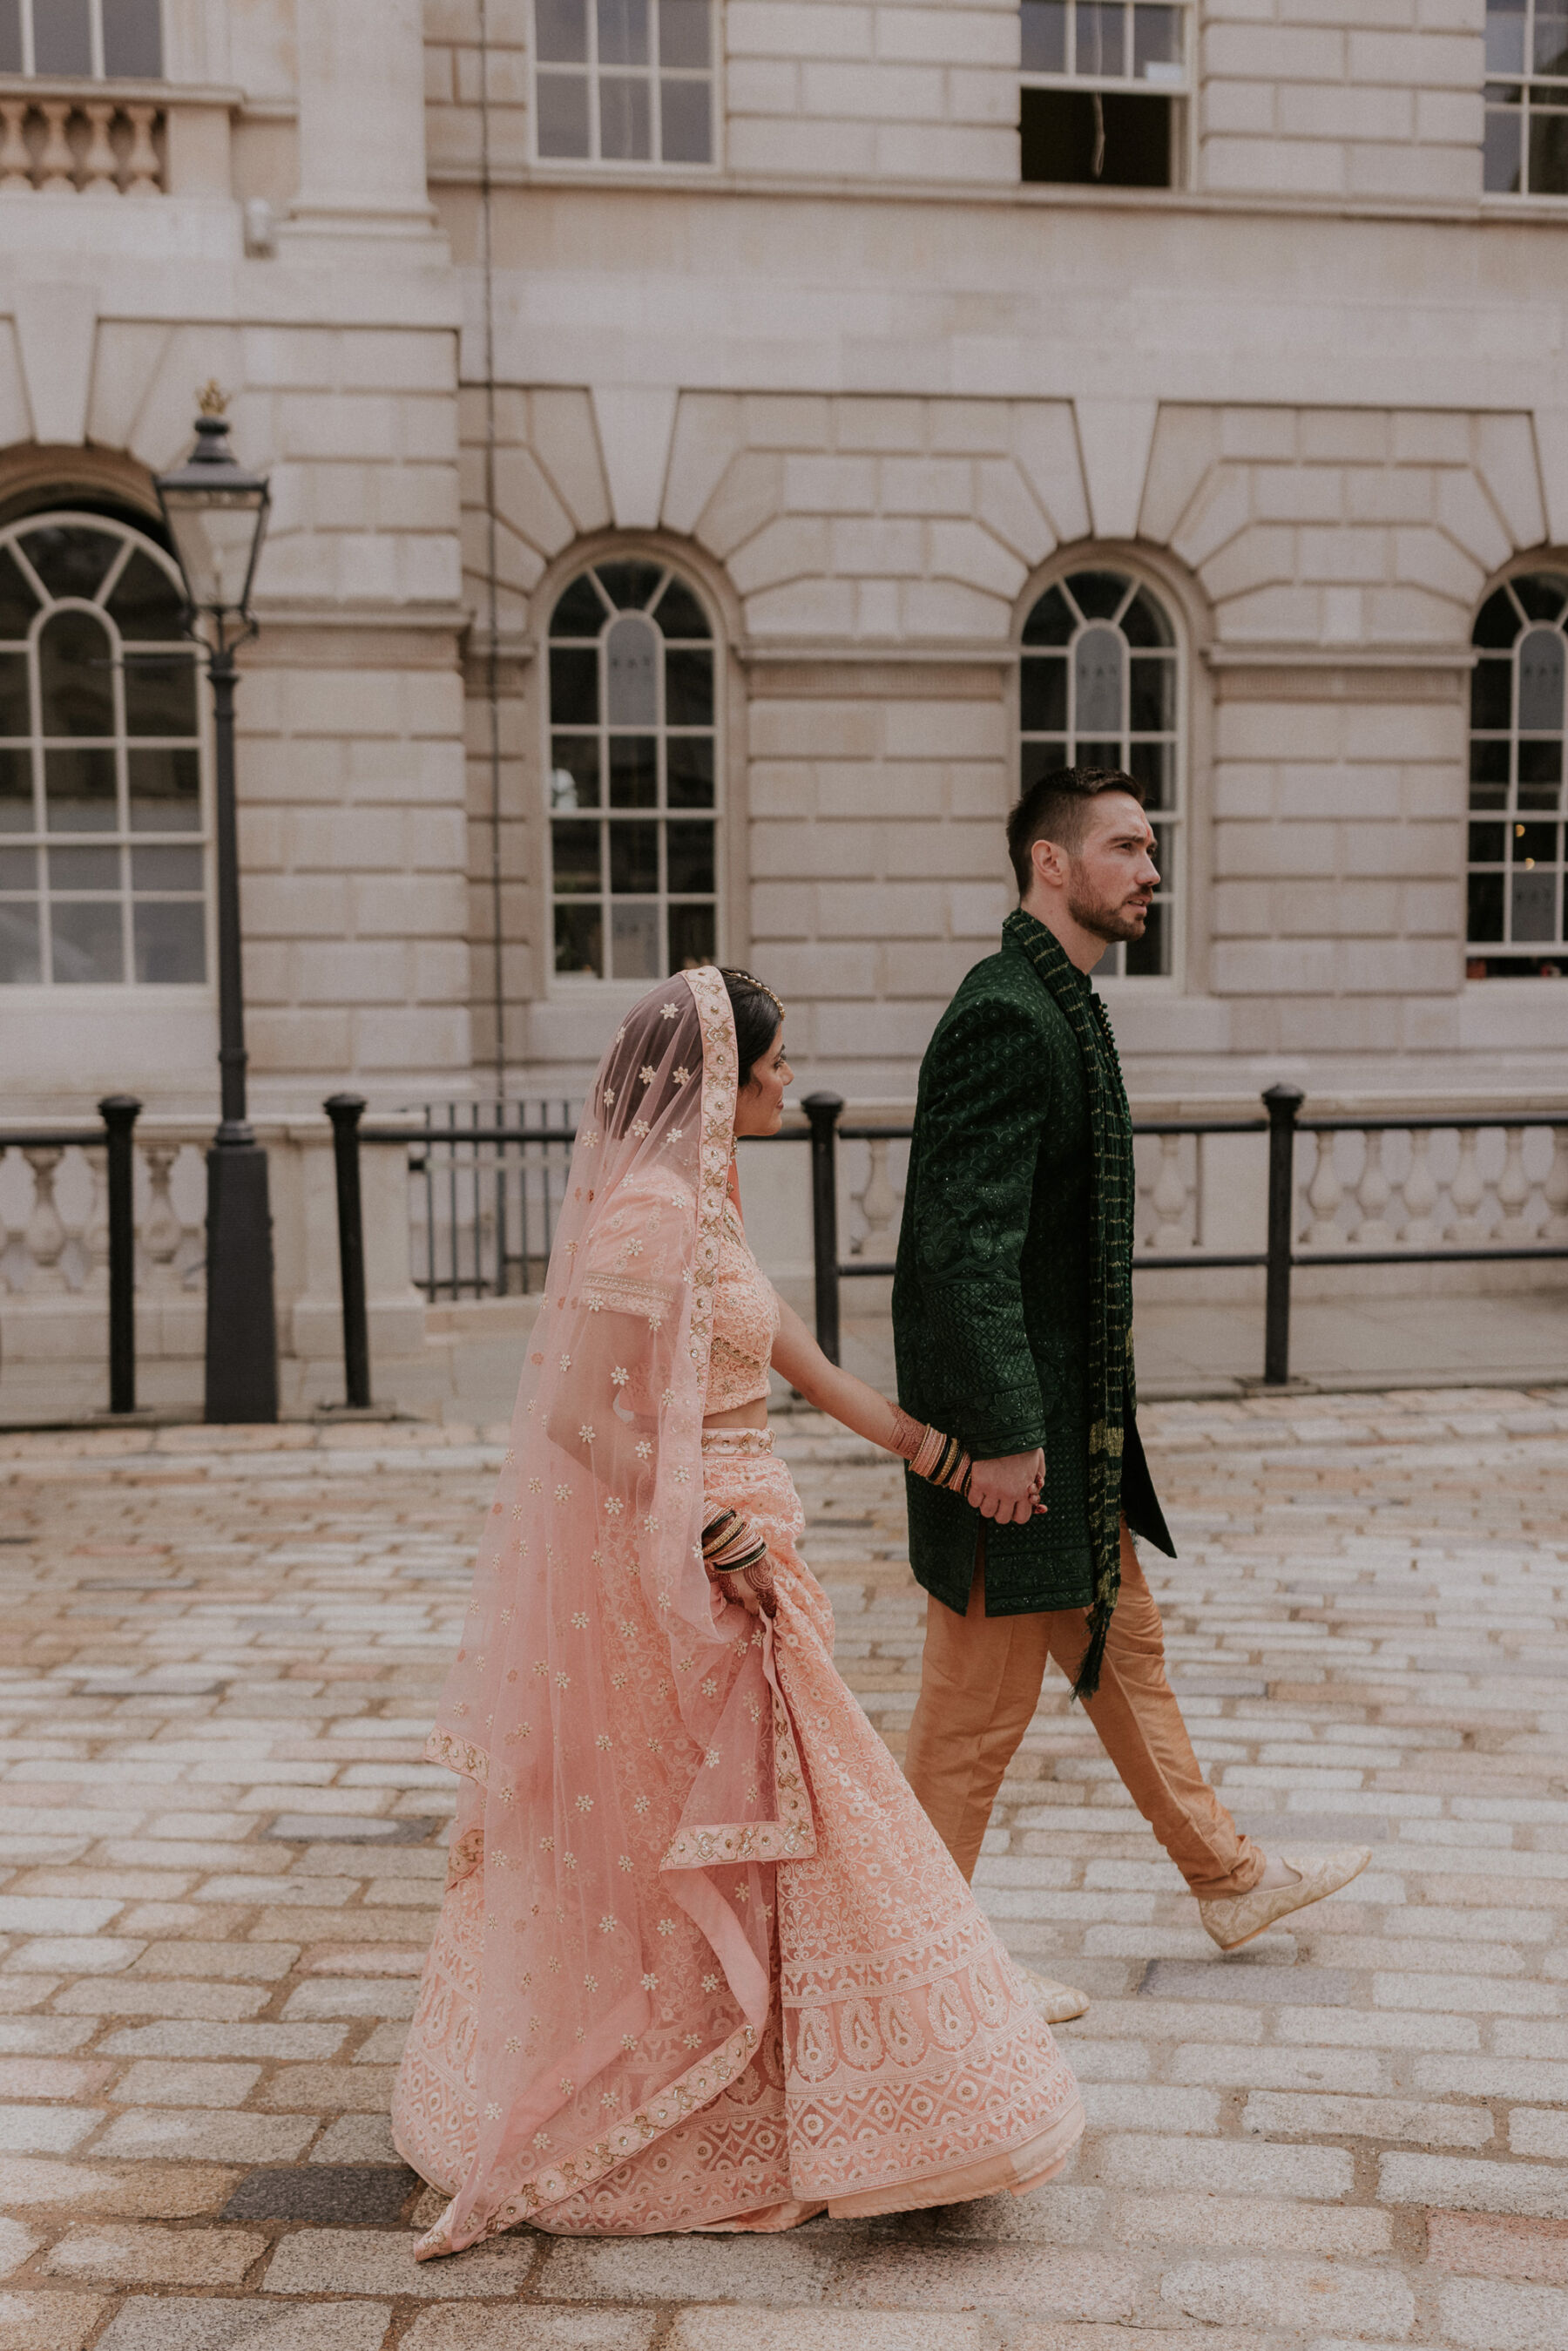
x,y
703,1963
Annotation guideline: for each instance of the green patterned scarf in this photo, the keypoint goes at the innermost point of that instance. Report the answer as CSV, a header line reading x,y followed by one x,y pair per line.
x,y
1111,1206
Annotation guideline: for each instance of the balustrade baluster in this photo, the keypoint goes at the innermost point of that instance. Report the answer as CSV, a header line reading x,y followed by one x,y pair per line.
x,y
1323,1196
1169,1197
15,162
143,172
1513,1189
1555,1229
161,1227
94,1233
45,1226
878,1205
57,164
1466,1192
1373,1193
100,165
1420,1191
9,1277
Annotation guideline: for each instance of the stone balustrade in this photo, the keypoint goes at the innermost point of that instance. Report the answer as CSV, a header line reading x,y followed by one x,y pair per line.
x,y
60,142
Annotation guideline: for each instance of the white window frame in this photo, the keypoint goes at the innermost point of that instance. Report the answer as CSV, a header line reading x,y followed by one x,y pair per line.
x,y
1521,806
1174,821
576,986
1550,89
45,990
95,14
1180,87
623,164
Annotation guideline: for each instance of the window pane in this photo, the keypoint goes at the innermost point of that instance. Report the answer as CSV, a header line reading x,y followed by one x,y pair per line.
x,y
62,38
1505,36
1548,154
574,687
689,772
1551,37
1150,957
70,558
683,33
580,612
17,602
15,792
635,942
579,941
1037,759
685,134
74,670
132,39
624,118
84,869
688,688
162,869
575,851
631,669
165,792
1489,773
1492,694
1045,36
623,32
79,791
634,770
1157,45
691,937
168,943
161,697
1497,623
1144,623
1042,695
1152,698
1051,622
1541,594
1097,684
146,603
1154,766
1534,907
1102,45
689,851
19,961
1540,680
575,771
634,860
1087,754
561,30
1485,920
679,613
1097,595
14,708
1487,845
10,36
18,869
629,585
563,101
88,945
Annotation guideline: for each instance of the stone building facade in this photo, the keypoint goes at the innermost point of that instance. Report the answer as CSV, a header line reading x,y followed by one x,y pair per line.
x,y
914,389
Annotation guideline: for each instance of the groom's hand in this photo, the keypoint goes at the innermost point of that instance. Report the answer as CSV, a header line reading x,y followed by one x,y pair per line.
x,y
1008,1489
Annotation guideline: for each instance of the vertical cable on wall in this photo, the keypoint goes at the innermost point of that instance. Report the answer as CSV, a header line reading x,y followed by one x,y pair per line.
x,y
493,612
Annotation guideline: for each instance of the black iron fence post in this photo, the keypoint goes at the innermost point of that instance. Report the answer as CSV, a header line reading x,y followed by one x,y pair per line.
x,y
346,1111
1283,1104
119,1114
824,1111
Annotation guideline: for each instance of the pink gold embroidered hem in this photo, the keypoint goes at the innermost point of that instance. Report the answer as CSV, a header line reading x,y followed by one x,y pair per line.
x,y
1026,2168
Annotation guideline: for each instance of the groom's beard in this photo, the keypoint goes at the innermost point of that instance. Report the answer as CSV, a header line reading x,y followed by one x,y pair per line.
x,y
1113,919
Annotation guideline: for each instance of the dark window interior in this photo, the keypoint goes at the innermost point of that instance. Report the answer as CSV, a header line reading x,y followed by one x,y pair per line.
x,y
1059,138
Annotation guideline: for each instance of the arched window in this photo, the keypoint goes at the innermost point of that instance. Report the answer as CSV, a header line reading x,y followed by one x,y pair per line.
x,y
633,776
102,843
1515,924
1100,686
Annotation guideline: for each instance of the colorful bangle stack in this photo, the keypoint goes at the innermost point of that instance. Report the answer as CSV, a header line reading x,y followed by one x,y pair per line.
x,y
731,1544
942,1461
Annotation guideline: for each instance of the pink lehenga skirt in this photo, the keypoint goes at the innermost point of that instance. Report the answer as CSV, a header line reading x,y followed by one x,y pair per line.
x,y
903,2064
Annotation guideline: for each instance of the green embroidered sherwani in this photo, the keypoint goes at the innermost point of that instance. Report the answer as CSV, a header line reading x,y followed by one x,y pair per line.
x,y
996,1280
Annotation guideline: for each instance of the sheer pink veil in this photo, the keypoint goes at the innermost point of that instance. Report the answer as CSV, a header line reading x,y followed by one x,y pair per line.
x,y
595,2035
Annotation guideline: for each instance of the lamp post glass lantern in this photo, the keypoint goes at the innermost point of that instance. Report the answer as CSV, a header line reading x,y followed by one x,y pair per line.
x,y
215,512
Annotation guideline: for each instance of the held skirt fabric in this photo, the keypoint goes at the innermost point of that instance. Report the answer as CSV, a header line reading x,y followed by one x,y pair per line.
x,y
903,2064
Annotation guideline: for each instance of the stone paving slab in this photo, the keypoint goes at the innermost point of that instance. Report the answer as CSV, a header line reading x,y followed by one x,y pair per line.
x,y
220,1855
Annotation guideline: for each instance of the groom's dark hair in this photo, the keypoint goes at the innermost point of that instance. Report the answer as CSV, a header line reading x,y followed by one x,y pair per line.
x,y
1055,808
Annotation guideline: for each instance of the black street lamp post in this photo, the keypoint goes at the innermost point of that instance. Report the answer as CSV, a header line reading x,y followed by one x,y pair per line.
x,y
216,516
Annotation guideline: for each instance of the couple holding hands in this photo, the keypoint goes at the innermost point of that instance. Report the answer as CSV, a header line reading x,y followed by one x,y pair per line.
x,y
706,1959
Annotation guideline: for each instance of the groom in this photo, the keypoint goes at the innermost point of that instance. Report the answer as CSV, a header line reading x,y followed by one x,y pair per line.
x,y
1012,1325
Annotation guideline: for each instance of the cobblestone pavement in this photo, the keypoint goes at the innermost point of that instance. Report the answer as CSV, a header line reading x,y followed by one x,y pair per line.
x,y
219,1853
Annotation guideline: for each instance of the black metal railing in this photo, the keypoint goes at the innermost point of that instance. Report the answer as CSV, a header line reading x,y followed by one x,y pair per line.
x,y
115,1138
825,1129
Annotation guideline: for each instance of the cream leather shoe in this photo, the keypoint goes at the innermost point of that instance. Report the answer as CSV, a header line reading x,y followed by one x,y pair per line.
x,y
1058,2003
1234,1919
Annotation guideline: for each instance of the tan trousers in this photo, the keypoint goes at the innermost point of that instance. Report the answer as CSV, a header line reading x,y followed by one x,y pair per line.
x,y
979,1684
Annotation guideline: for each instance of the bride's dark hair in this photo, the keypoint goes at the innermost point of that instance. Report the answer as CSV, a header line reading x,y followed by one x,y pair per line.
x,y
758,1013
